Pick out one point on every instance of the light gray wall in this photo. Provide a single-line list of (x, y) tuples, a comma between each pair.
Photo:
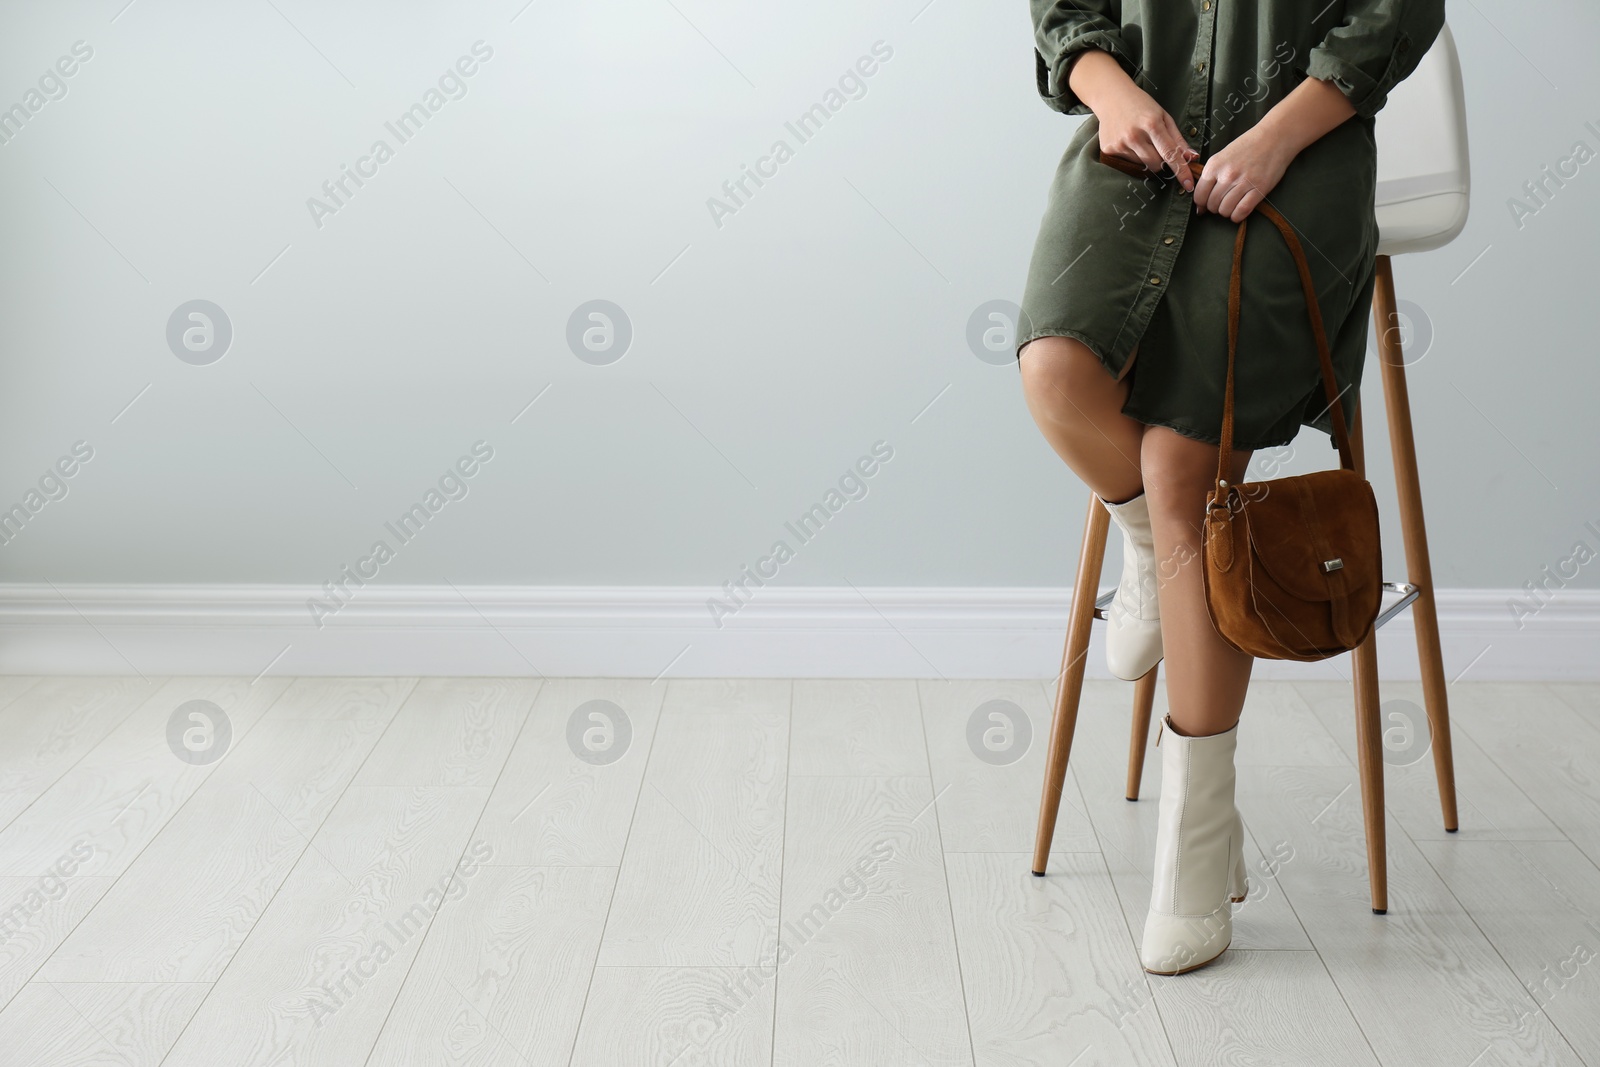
[(769, 352)]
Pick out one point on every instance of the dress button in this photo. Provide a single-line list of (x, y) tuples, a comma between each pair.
[(1206, 6), (1166, 240), (1154, 280), (1199, 68), (1193, 130)]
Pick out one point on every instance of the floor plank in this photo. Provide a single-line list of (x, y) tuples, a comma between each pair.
[(1549, 750), (867, 971), (36, 915), (853, 830), (1261, 1008), (1423, 982), (315, 979), (121, 793), (699, 881), (683, 1016), (451, 731), (1049, 970), (553, 806), (502, 976), (96, 1025), (1279, 727), (50, 725), (1538, 902), (1491, 805), (14, 685), (1582, 697), (236, 840), (990, 802), (853, 726)]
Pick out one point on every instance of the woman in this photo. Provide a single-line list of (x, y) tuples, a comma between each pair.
[(1123, 342)]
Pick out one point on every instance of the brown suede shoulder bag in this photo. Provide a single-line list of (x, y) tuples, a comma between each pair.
[(1293, 566)]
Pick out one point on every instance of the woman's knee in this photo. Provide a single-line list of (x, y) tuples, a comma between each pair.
[(1063, 378), (1179, 471)]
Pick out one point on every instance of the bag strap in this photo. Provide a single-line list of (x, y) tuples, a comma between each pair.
[(1330, 385)]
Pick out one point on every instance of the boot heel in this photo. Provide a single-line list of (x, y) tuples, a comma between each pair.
[(1238, 884)]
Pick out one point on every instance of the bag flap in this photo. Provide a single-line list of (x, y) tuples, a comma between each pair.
[(1298, 523)]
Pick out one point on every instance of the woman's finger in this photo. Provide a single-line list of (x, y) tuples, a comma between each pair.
[(1145, 149), (1247, 203), (1230, 198), (1174, 150), (1203, 190)]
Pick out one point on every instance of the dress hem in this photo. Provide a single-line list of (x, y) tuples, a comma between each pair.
[(1084, 339), (1186, 430), (1204, 436)]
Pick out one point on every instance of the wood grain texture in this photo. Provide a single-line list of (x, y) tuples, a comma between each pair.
[(367, 702), (683, 1016), (315, 979), (854, 726), (36, 915), (251, 893), (451, 731), (699, 882), (1550, 751), (120, 795), (1582, 697), (181, 910), (989, 806), (1423, 982), (1265, 1008), (1049, 969), (551, 807), (502, 976), (97, 1025), (1279, 728), (1492, 806), (14, 685), (1539, 903), (52, 724), (867, 971)]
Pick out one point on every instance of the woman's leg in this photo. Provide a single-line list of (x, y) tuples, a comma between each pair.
[(1206, 677), (1199, 856), (1078, 408)]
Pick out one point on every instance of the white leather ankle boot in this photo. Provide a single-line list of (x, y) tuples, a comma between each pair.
[(1133, 633), (1199, 868)]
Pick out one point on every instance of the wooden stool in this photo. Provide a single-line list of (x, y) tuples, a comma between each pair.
[(1421, 130)]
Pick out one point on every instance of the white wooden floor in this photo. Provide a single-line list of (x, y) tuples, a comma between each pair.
[(394, 871)]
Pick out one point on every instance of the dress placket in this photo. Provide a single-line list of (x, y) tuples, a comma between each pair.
[(1195, 131)]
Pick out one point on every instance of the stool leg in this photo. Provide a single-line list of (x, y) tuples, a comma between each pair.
[(1369, 743), (1369, 736), (1069, 680), (1144, 697), (1419, 570)]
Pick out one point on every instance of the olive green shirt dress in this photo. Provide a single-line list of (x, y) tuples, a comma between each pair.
[(1121, 263)]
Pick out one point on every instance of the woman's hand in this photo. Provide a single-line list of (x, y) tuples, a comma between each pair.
[(1240, 176), (1243, 174), (1132, 124)]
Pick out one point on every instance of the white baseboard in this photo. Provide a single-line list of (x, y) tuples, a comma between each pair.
[(659, 631)]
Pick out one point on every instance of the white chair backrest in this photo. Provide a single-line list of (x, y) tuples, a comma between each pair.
[(1423, 170)]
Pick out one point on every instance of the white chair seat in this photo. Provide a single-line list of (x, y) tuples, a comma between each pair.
[(1423, 169), (1420, 223)]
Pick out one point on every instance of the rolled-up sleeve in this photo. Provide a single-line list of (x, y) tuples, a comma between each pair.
[(1063, 29), (1376, 46)]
